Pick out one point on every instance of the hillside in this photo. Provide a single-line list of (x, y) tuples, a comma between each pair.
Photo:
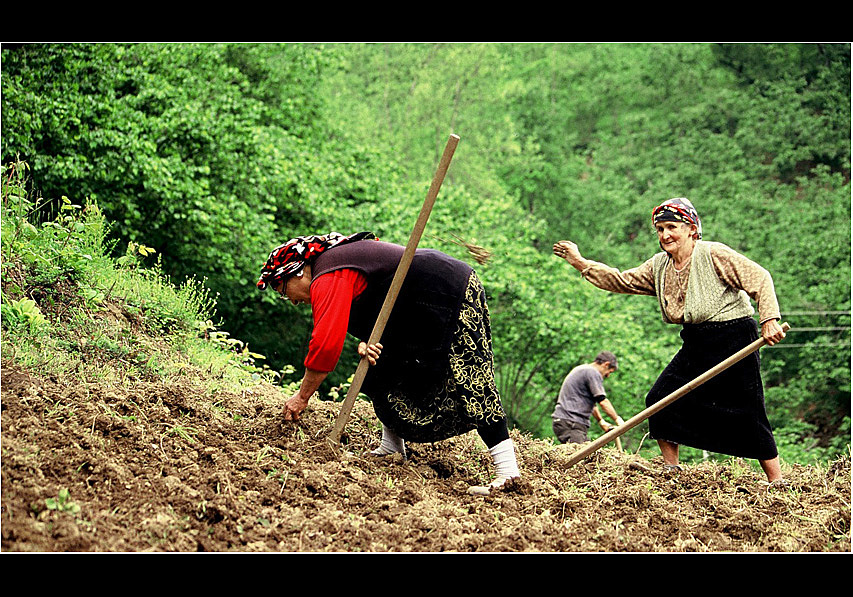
[(131, 424), (176, 462), (203, 157)]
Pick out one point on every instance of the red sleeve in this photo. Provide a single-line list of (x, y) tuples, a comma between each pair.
[(331, 299)]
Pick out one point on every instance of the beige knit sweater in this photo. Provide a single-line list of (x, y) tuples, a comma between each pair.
[(704, 300)]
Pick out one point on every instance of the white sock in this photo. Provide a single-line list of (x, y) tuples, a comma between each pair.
[(391, 443), (503, 455)]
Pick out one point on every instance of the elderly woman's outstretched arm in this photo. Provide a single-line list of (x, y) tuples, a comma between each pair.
[(639, 280)]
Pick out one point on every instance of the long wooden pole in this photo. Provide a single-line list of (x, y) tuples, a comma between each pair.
[(396, 283), (663, 403)]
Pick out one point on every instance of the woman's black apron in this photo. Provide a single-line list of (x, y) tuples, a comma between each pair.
[(726, 414)]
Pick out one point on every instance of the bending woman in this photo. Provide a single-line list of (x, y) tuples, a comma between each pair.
[(706, 287), (435, 378)]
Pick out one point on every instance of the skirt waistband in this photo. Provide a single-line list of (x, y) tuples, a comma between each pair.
[(716, 325)]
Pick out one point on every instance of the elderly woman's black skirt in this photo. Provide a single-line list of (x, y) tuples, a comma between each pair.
[(429, 408), (725, 414)]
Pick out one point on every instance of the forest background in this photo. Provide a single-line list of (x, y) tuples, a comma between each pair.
[(213, 154)]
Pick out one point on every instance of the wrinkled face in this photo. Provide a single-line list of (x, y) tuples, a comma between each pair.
[(297, 288), (674, 237)]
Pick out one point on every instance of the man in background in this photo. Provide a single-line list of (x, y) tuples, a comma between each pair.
[(580, 396)]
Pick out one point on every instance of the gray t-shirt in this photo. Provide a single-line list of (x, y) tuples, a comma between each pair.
[(581, 390)]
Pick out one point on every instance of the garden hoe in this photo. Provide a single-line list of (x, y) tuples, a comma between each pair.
[(396, 283), (663, 403)]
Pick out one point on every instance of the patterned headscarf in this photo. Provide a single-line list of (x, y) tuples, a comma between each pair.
[(678, 210), (289, 259)]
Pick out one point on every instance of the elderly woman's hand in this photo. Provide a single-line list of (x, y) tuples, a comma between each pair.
[(372, 352), (772, 332), (294, 407), (568, 250)]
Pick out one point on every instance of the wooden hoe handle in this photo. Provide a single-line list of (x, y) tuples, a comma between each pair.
[(663, 403), (397, 282)]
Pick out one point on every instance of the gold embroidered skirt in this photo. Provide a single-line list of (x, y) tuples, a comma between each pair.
[(465, 398)]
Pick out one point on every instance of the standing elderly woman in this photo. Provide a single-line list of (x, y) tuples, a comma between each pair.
[(705, 287), (435, 378)]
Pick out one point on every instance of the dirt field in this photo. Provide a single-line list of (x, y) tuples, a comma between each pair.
[(154, 466)]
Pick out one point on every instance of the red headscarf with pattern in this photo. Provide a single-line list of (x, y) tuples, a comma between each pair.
[(289, 259), (678, 210)]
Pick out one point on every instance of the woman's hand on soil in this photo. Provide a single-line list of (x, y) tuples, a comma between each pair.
[(294, 407)]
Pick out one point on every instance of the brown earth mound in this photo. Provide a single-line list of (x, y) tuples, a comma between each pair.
[(169, 466)]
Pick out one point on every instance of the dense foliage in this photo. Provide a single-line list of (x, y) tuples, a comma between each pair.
[(212, 154)]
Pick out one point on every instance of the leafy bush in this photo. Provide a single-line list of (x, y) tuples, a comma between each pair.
[(57, 276)]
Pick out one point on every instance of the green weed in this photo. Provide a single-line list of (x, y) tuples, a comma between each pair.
[(25, 313), (62, 503), (184, 432), (67, 305)]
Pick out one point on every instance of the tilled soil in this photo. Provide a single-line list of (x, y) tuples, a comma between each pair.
[(172, 466)]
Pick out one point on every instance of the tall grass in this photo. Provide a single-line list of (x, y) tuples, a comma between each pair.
[(67, 305)]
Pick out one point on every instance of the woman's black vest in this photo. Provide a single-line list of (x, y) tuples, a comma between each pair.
[(417, 337)]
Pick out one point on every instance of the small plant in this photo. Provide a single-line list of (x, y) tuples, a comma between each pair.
[(62, 502), (737, 469), (134, 254), (26, 313), (186, 433), (262, 454), (243, 358), (338, 392)]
